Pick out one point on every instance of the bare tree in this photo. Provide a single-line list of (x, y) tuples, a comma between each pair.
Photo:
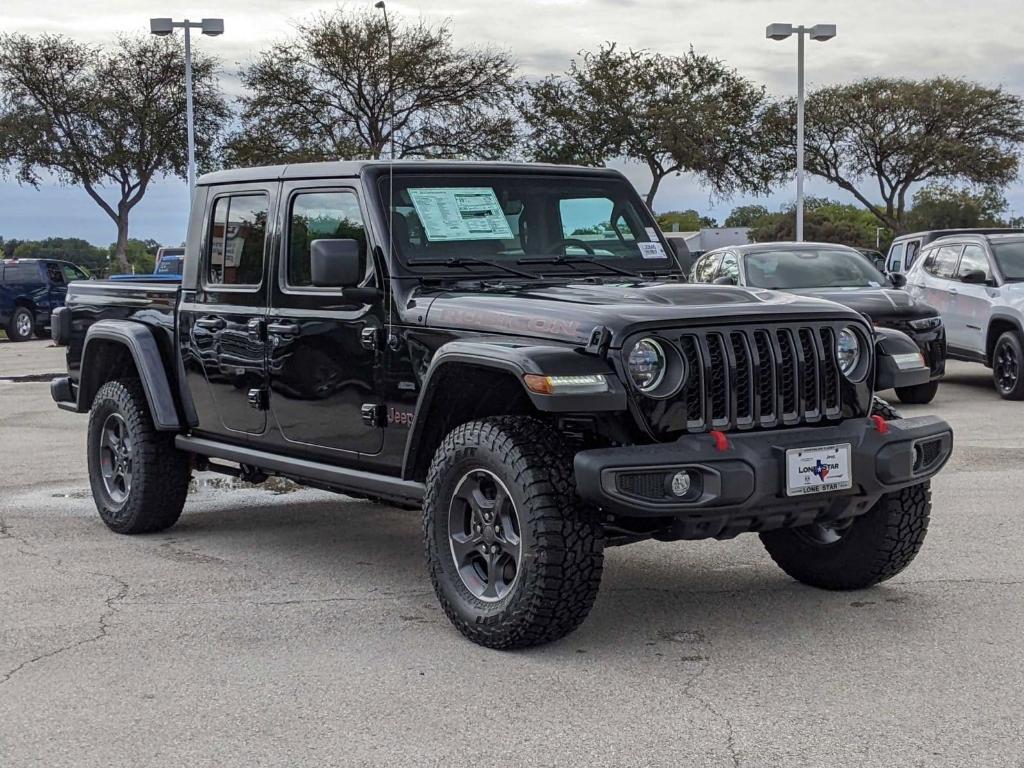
[(102, 118), (331, 92)]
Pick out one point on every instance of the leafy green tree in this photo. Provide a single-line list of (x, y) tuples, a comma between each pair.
[(879, 137), (102, 118), (673, 114), (141, 255), (331, 93), (745, 215), (8, 247), (943, 206), (825, 221), (684, 221), (73, 249)]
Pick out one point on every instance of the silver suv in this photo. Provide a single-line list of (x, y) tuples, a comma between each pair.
[(977, 284)]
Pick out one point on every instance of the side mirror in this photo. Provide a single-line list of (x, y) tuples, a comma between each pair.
[(974, 277), (335, 263), (898, 280), (724, 280)]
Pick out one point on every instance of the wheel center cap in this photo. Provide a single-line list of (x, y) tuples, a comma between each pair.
[(489, 536)]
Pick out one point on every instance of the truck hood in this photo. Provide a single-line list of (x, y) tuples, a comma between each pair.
[(569, 311)]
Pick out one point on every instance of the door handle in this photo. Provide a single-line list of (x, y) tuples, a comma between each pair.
[(211, 323), (283, 329)]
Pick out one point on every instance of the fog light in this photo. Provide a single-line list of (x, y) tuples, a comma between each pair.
[(681, 483)]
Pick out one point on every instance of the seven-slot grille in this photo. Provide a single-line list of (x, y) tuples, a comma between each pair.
[(759, 377)]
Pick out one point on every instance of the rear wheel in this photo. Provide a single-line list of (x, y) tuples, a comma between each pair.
[(921, 394), (856, 553), (1006, 366), (514, 558), (139, 479), (21, 325)]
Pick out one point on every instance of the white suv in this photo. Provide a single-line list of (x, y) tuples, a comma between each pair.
[(977, 284)]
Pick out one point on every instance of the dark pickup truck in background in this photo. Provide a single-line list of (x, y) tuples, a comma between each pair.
[(30, 289), (514, 350)]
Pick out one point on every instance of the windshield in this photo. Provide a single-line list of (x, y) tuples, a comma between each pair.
[(811, 268), (519, 219), (1010, 258)]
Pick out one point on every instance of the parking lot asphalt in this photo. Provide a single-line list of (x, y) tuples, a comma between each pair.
[(272, 627)]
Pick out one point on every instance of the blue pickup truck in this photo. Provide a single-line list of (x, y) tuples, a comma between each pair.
[(168, 268), (30, 289)]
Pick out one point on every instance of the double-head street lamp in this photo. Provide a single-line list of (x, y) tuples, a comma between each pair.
[(820, 32), (212, 27)]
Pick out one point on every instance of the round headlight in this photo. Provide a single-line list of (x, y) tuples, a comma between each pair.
[(848, 351), (646, 364)]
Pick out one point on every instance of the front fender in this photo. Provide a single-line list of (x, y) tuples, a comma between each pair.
[(515, 359), (898, 361), (139, 342)]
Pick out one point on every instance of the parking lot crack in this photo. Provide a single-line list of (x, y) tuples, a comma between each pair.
[(110, 603), (730, 732)]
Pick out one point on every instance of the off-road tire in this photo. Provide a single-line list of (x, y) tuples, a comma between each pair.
[(22, 324), (920, 394), (1013, 341), (875, 547), (562, 548), (160, 472), (880, 407)]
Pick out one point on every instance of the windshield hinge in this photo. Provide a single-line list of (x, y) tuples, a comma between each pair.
[(600, 338)]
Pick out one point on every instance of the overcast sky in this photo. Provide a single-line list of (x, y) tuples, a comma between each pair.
[(982, 40)]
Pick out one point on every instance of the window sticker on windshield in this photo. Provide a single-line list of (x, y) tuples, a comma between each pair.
[(651, 250), (460, 213)]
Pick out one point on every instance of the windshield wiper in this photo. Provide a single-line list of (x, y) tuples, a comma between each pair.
[(468, 261), (571, 260)]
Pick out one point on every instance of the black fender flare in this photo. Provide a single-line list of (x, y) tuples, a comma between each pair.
[(888, 373), (1001, 316), (517, 359), (142, 346)]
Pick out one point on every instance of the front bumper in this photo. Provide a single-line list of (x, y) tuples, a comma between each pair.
[(743, 487)]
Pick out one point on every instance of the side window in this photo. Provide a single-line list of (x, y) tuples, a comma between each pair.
[(72, 273), (237, 237), (53, 272), (730, 267), (896, 256), (912, 248), (943, 263), (321, 216), (704, 270), (974, 260)]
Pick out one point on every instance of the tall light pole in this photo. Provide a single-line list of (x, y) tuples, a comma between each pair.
[(820, 32), (211, 27)]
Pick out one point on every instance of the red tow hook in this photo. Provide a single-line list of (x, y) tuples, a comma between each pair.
[(880, 424), (721, 441)]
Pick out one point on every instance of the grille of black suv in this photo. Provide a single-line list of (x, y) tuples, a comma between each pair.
[(758, 377)]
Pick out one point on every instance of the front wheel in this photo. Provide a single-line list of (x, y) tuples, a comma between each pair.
[(22, 324), (921, 394), (857, 553), (513, 556), (139, 479), (1006, 362)]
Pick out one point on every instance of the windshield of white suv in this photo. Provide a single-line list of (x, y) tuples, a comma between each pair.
[(810, 268), (1010, 258), (526, 220)]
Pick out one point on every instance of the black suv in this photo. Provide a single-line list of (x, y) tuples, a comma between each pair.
[(512, 349)]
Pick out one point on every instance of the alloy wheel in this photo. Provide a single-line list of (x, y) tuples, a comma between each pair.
[(116, 458), (1007, 367), (23, 324), (484, 535)]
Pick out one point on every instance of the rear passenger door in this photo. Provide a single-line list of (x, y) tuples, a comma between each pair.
[(225, 324), (323, 348)]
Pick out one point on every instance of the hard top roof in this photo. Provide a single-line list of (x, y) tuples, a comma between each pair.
[(353, 168)]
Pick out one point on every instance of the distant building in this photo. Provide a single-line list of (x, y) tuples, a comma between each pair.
[(714, 237)]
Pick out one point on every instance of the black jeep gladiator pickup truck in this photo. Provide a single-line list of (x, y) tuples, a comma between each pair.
[(513, 349)]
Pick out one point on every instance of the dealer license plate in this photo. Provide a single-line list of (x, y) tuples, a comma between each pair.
[(818, 470)]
